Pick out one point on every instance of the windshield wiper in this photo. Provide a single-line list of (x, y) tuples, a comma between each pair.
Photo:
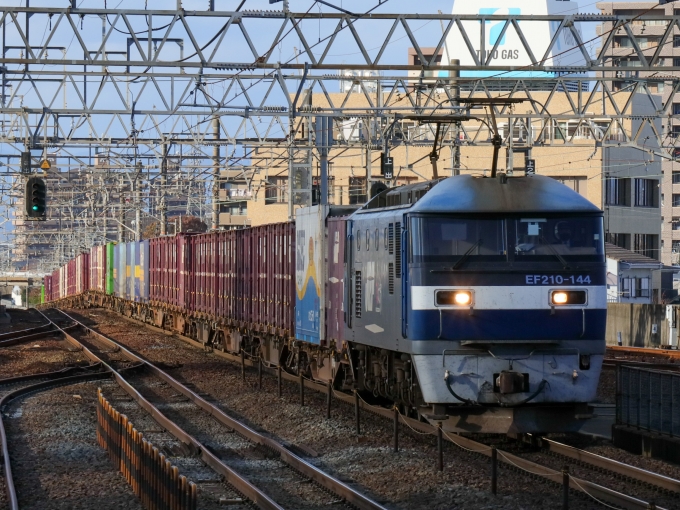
[(466, 255), (554, 252)]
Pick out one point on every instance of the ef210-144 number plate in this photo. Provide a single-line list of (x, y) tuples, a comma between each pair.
[(557, 279)]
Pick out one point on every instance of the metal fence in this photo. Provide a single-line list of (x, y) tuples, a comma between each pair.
[(155, 481), (648, 399)]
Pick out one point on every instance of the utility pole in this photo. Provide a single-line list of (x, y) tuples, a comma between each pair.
[(121, 213), (137, 195), (216, 174), (455, 92), (164, 182)]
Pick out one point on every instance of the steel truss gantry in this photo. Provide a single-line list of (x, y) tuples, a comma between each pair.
[(134, 82)]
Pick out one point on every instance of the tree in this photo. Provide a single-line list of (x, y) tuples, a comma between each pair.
[(189, 224)]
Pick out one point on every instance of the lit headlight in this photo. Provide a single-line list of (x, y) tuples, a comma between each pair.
[(568, 297), (454, 297), (560, 298)]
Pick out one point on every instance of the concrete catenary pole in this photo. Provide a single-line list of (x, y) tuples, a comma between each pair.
[(216, 174), (138, 202), (164, 181)]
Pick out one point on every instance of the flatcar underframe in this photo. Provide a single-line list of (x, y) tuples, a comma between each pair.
[(380, 375)]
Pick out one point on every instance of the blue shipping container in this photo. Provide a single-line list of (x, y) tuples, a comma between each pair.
[(138, 271), (120, 270)]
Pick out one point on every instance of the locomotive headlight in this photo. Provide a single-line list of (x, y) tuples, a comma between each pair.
[(454, 298), (462, 298), (568, 297), (560, 298)]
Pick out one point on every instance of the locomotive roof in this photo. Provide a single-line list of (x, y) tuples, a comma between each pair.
[(534, 193)]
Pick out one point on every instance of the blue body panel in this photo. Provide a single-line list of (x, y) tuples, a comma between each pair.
[(507, 325)]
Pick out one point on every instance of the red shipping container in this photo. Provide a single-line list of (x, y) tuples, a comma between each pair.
[(63, 281), (82, 275), (70, 278), (98, 268), (47, 282), (56, 294)]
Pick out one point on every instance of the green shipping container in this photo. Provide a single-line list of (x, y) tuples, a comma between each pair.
[(110, 267), (42, 294)]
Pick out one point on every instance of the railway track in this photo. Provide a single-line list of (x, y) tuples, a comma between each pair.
[(640, 486), (613, 363), (15, 388), (657, 489), (258, 467)]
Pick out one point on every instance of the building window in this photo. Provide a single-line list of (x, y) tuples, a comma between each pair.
[(675, 224), (617, 191), (642, 287), (357, 190), (625, 287), (676, 199), (676, 41), (676, 177), (646, 193), (620, 240), (276, 190), (647, 245), (578, 184), (675, 247)]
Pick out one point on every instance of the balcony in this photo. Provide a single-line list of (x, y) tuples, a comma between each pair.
[(234, 220)]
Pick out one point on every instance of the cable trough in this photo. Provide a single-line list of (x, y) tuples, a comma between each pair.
[(153, 389)]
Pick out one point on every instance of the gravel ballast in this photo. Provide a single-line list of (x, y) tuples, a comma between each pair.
[(56, 461), (408, 479)]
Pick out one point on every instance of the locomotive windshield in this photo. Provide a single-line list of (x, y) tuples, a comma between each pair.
[(450, 240)]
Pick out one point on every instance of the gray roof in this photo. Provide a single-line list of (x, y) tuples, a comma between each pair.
[(530, 194), (630, 257)]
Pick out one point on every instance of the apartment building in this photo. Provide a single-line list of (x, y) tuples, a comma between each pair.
[(622, 56)]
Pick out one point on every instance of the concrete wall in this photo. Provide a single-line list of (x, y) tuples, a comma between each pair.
[(634, 322)]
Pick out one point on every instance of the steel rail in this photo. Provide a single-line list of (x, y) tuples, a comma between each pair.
[(23, 332), (592, 489), (28, 338), (592, 459), (330, 483), (671, 353), (610, 363), (59, 378)]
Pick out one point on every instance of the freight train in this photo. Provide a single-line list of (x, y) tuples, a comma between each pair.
[(477, 303)]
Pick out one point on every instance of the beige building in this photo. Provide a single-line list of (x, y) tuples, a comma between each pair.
[(568, 154)]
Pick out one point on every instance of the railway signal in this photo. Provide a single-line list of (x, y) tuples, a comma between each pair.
[(36, 198), (26, 162), (386, 166)]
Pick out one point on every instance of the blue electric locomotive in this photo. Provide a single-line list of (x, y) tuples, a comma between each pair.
[(480, 302)]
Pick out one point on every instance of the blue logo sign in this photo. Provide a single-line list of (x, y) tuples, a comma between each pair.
[(497, 27)]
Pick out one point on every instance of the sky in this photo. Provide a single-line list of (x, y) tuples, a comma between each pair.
[(345, 51)]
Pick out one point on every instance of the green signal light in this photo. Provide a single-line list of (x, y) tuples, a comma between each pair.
[(35, 207)]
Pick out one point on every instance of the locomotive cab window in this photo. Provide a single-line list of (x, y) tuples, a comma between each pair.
[(448, 240), (562, 237), (459, 242)]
